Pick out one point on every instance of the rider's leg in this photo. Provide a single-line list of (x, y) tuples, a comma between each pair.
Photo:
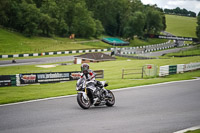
[(100, 85)]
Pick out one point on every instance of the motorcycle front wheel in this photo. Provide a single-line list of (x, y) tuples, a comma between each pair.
[(110, 102), (84, 103)]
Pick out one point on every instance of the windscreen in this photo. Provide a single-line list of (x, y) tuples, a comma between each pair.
[(80, 81)]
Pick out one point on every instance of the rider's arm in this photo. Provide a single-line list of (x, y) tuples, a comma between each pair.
[(92, 75)]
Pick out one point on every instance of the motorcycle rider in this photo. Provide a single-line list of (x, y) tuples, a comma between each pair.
[(89, 75)]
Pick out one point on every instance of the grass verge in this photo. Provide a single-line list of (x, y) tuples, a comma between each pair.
[(150, 41), (195, 131), (16, 43), (24, 45), (181, 25), (190, 52)]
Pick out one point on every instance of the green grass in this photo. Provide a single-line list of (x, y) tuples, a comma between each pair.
[(111, 66), (181, 25), (150, 41), (190, 52), (15, 43), (112, 71), (195, 131)]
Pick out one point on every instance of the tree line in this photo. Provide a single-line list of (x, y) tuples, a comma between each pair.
[(179, 11), (84, 18), (198, 27)]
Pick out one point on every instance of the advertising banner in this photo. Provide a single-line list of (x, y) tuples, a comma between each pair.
[(176, 38), (5, 80), (27, 78), (75, 75), (53, 77), (34, 78), (173, 37), (44, 77)]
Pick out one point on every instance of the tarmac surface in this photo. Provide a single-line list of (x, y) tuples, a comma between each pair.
[(161, 108), (163, 52), (44, 60)]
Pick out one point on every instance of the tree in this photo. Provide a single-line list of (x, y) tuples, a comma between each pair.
[(28, 17), (47, 25), (62, 28), (85, 18), (184, 12), (9, 11), (83, 25), (164, 22), (4, 9), (192, 14), (154, 22), (179, 11), (99, 28), (198, 28), (38, 3), (135, 25)]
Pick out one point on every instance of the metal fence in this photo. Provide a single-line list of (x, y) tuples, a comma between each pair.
[(147, 71), (135, 73)]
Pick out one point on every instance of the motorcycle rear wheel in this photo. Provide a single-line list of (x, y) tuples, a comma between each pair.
[(83, 103)]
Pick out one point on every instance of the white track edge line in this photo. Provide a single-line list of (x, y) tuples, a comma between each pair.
[(170, 82), (37, 100)]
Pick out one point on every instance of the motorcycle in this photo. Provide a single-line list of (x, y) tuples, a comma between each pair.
[(91, 94)]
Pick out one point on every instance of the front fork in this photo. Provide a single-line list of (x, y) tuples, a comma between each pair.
[(84, 93)]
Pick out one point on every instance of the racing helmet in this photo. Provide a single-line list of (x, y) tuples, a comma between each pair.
[(85, 68)]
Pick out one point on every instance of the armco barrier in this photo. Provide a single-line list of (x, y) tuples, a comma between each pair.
[(180, 68)]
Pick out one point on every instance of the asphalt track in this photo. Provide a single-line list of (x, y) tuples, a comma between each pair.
[(161, 108), (163, 52), (44, 60)]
